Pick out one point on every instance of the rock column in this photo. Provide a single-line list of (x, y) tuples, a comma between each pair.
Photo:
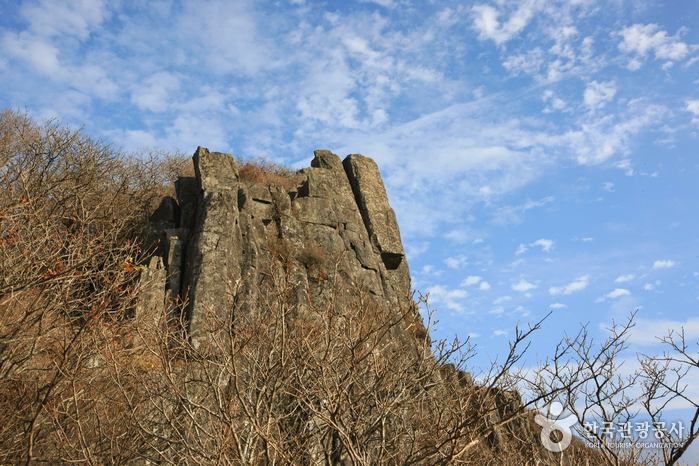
[(379, 218), (212, 259)]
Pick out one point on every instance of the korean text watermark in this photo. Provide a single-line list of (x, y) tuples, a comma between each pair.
[(618, 436)]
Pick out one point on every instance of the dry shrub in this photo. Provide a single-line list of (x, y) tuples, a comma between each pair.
[(261, 170), (71, 208), (312, 257)]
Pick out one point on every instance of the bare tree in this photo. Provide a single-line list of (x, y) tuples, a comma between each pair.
[(69, 214)]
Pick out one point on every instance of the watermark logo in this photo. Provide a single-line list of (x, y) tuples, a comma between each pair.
[(554, 424)]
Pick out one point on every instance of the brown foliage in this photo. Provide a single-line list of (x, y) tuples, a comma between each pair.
[(260, 170), (70, 209)]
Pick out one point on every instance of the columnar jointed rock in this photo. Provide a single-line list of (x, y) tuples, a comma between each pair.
[(335, 226), (379, 218), (213, 255)]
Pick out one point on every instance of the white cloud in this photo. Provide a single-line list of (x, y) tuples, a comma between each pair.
[(693, 107), (523, 286), (664, 264), (598, 94), (154, 94), (456, 262), (477, 240), (515, 214), (497, 311), (557, 306), (609, 187), (577, 285), (521, 250), (71, 18), (642, 39), (498, 333), (470, 280), (501, 299), (485, 21), (384, 3), (442, 294), (625, 278), (587, 239), (647, 331), (556, 103), (648, 286), (618, 292), (601, 138), (484, 286), (546, 244), (529, 63)]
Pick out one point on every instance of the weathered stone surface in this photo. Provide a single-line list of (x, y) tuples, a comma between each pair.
[(326, 159), (316, 210), (380, 221), (215, 170), (177, 241), (336, 226), (370, 193), (165, 217), (212, 258), (213, 255), (187, 190), (167, 212), (362, 249), (257, 200), (152, 287)]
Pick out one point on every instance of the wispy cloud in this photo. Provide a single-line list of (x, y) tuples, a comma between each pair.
[(515, 214), (578, 284), (618, 292), (664, 264), (501, 299), (523, 286), (625, 278), (546, 244), (456, 262), (470, 280), (598, 94), (442, 294), (641, 39)]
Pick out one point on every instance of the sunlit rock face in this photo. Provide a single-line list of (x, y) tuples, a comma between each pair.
[(333, 232)]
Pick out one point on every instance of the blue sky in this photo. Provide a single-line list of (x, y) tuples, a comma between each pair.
[(540, 155)]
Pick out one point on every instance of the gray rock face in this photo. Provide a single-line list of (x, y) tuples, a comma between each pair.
[(335, 226), (187, 190), (379, 218), (152, 284), (165, 216), (215, 171), (213, 254)]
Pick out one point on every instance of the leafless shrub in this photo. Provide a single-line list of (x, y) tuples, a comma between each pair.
[(261, 170), (70, 209)]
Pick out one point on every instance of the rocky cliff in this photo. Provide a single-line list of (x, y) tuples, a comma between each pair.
[(223, 237), (375, 395)]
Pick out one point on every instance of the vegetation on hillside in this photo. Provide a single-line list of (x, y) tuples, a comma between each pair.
[(84, 379), (261, 170)]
